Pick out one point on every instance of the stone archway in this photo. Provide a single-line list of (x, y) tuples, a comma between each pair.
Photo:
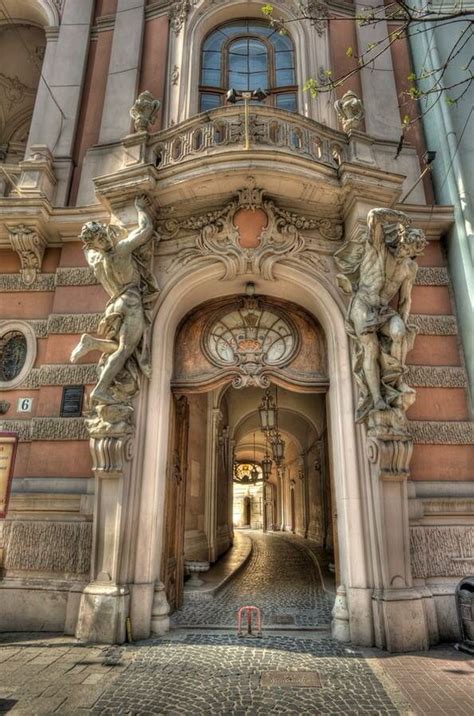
[(346, 454), (376, 601)]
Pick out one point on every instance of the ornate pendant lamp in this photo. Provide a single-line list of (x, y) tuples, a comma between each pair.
[(254, 472), (267, 412), (267, 462)]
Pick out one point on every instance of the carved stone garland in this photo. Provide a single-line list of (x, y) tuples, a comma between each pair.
[(280, 239)]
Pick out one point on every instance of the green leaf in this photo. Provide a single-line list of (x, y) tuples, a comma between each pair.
[(406, 120), (267, 9), (327, 73), (449, 101), (349, 52), (371, 45), (411, 77), (311, 86)]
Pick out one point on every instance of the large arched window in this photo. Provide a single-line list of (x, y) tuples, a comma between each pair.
[(247, 55)]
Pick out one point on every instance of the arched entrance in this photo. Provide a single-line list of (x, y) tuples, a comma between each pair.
[(249, 383), (349, 474)]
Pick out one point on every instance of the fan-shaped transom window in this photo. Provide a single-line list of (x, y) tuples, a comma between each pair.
[(248, 55), (252, 333)]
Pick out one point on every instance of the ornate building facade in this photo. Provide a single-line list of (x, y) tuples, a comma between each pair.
[(184, 235)]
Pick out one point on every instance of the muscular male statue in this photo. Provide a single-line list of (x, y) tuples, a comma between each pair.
[(121, 267), (374, 272)]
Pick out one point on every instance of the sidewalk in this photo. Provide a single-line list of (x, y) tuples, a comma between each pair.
[(197, 673)]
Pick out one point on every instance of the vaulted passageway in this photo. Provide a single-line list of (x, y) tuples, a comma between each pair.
[(280, 577)]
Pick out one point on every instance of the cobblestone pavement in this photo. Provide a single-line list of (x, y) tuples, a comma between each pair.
[(280, 578), (207, 674)]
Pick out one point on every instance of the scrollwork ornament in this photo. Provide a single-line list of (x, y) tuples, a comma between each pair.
[(30, 246), (279, 240)]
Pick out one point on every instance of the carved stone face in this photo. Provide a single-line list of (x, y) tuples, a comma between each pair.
[(94, 235), (412, 243)]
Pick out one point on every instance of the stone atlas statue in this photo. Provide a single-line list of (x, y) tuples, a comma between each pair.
[(122, 264), (374, 272)]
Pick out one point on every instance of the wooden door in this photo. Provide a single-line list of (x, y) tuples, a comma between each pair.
[(173, 543)]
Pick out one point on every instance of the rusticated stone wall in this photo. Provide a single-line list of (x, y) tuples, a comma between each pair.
[(442, 551), (41, 546)]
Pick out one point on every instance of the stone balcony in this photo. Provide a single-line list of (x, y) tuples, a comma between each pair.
[(209, 157), (223, 131)]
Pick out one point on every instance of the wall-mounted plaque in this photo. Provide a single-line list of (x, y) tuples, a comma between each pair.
[(8, 443), (71, 403)]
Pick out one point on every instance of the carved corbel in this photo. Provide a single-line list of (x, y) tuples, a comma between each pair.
[(110, 454), (29, 244)]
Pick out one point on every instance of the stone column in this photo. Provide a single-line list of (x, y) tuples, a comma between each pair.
[(302, 474), (230, 469), (57, 107), (124, 70), (210, 513), (382, 116), (104, 602), (400, 616), (281, 491)]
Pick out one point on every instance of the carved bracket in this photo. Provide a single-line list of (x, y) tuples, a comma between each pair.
[(30, 246), (109, 455)]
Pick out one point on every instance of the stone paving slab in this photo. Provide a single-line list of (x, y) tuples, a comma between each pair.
[(438, 682), (50, 674)]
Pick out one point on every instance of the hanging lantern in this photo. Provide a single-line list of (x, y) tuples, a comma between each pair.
[(278, 448), (267, 464), (267, 412)]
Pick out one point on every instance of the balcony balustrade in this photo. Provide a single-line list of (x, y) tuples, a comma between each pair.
[(267, 129)]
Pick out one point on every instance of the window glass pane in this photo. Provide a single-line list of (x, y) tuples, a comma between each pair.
[(258, 80), (285, 77), (258, 60), (211, 78), (283, 60), (264, 29), (238, 81), (214, 41), (209, 101), (239, 47), (234, 28), (281, 42), (13, 352), (212, 60), (286, 101), (238, 63)]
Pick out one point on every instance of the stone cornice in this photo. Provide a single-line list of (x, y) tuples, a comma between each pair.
[(65, 323), (61, 374), (430, 376), (65, 276), (73, 322), (442, 433), (47, 429), (14, 282), (430, 325), (75, 276), (432, 276)]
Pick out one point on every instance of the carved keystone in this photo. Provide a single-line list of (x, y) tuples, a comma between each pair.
[(29, 245)]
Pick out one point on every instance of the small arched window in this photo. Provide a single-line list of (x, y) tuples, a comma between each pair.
[(247, 55)]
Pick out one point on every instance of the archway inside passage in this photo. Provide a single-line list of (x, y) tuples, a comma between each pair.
[(230, 472)]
